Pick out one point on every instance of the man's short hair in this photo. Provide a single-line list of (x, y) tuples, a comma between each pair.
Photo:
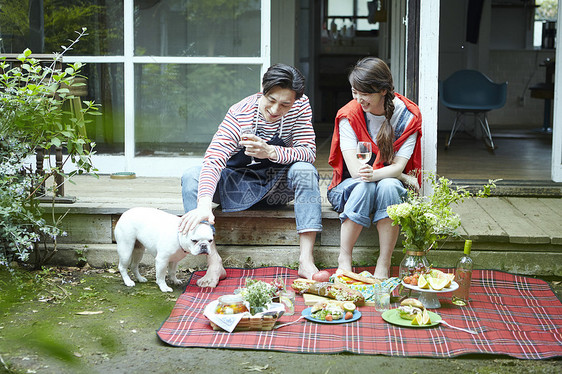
[(284, 76)]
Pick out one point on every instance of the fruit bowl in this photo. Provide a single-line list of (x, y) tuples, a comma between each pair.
[(428, 296)]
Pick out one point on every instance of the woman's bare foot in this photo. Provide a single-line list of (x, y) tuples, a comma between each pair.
[(344, 261), (381, 271), (307, 270)]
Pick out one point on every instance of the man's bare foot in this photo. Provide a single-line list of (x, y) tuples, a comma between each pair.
[(212, 277), (215, 270), (307, 270)]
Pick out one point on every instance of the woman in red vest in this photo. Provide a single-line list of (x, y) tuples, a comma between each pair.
[(361, 192)]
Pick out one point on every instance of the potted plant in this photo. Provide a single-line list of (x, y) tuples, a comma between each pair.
[(426, 219), (258, 294)]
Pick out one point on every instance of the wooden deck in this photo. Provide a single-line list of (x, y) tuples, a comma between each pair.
[(518, 234)]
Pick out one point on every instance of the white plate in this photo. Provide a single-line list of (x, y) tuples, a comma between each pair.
[(454, 285)]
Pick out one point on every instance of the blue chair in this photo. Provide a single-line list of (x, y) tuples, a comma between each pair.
[(471, 92)]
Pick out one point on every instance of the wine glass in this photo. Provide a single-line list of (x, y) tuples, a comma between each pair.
[(245, 131), (363, 152)]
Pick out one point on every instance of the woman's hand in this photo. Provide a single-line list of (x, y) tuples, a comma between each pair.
[(410, 182), (258, 148), (365, 173)]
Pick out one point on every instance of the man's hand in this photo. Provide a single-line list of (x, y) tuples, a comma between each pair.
[(194, 217), (258, 148)]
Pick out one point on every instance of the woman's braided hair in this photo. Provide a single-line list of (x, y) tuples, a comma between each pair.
[(372, 75)]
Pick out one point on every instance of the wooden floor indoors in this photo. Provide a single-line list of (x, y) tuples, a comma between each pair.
[(519, 155)]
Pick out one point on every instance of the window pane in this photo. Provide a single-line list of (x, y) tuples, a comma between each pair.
[(104, 85), (340, 7), (363, 23), (44, 26), (547, 10), (198, 28), (178, 107)]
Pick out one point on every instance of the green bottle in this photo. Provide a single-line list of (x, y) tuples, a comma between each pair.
[(463, 276)]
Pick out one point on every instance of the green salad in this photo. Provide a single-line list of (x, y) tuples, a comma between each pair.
[(328, 313)]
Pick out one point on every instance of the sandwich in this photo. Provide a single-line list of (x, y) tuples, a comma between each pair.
[(410, 308), (347, 277), (331, 290)]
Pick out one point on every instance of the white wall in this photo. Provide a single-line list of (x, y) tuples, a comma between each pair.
[(520, 68), (504, 52)]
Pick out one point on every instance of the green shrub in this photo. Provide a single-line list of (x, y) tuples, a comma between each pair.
[(33, 117)]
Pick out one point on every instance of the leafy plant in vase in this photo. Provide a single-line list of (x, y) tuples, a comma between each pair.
[(426, 219)]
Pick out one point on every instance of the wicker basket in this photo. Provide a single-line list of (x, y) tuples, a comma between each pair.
[(261, 323)]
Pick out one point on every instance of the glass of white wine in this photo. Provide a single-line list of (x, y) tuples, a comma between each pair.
[(244, 132), (363, 152)]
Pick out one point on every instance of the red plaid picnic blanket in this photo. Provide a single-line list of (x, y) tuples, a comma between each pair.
[(514, 315)]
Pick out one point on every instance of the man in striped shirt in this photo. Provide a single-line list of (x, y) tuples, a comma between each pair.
[(271, 166)]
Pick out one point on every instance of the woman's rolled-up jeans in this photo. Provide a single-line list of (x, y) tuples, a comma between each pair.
[(358, 201)]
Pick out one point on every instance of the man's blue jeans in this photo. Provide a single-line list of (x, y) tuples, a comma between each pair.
[(301, 186)]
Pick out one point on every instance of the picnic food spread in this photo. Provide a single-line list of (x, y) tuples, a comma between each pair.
[(336, 299)]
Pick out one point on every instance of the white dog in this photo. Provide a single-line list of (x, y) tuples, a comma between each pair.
[(157, 231)]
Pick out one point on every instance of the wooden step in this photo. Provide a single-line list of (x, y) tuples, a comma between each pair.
[(509, 233)]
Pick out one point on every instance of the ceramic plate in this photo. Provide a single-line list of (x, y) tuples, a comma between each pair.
[(393, 316), (454, 285), (307, 314)]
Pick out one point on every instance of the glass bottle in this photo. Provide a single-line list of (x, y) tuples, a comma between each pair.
[(463, 276), (414, 261)]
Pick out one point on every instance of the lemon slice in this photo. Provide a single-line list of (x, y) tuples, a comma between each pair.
[(450, 278), (426, 320), (435, 273), (418, 320), (348, 306), (422, 282), (422, 319), (438, 283)]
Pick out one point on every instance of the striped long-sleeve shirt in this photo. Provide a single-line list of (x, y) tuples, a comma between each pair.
[(297, 134)]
